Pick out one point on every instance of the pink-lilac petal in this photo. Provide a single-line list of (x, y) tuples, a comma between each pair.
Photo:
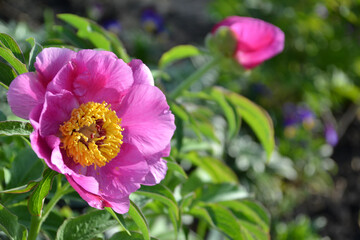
[(122, 175), (50, 60), (141, 73), (147, 121), (25, 93), (93, 200), (119, 205), (94, 76), (157, 172), (42, 149), (57, 110)]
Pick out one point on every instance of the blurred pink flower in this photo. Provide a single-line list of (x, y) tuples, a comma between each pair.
[(257, 40), (97, 120)]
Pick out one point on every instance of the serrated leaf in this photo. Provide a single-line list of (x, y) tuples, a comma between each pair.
[(118, 218), (9, 224), (178, 53), (18, 128), (21, 189), (140, 220), (217, 170), (36, 48), (8, 42), (8, 56), (37, 197), (85, 226), (257, 118), (7, 74)]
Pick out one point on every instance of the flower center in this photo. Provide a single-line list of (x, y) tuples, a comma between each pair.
[(92, 135)]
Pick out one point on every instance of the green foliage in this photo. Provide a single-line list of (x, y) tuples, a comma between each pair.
[(177, 53), (86, 226), (10, 226), (15, 128)]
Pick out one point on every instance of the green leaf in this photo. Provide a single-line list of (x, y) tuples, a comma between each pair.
[(222, 219), (249, 211), (222, 192), (176, 168), (140, 220), (125, 236), (259, 121), (177, 53), (95, 38), (36, 200), (218, 170), (85, 226), (26, 167), (19, 128), (21, 189), (36, 48), (9, 224), (7, 74), (75, 21), (163, 195), (8, 56), (7, 41), (218, 96), (118, 218)]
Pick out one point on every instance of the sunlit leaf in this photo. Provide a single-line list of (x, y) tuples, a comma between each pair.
[(19, 128), (95, 38), (8, 56), (7, 41), (222, 192), (259, 121), (218, 96), (178, 53), (218, 170), (118, 218), (21, 189), (140, 220), (37, 197), (86, 226)]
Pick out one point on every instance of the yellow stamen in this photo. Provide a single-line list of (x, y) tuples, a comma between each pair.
[(92, 136)]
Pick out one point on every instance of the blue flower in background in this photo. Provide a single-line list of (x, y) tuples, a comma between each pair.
[(331, 135), (112, 25), (295, 115), (151, 21)]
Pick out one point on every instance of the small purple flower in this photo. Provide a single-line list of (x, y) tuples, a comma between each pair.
[(112, 25), (151, 21), (294, 115), (331, 135)]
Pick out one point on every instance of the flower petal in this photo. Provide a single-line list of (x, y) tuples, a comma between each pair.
[(94, 76), (147, 121), (257, 41), (157, 167), (50, 61), (57, 109), (25, 92), (141, 73), (122, 175)]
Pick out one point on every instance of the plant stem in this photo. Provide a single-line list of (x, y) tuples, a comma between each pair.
[(37, 221), (193, 78)]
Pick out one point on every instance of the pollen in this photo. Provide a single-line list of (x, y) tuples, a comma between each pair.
[(92, 135)]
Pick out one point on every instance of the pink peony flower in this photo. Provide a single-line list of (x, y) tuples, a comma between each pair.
[(97, 120), (256, 40)]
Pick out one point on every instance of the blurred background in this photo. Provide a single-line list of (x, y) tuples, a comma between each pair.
[(311, 91)]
